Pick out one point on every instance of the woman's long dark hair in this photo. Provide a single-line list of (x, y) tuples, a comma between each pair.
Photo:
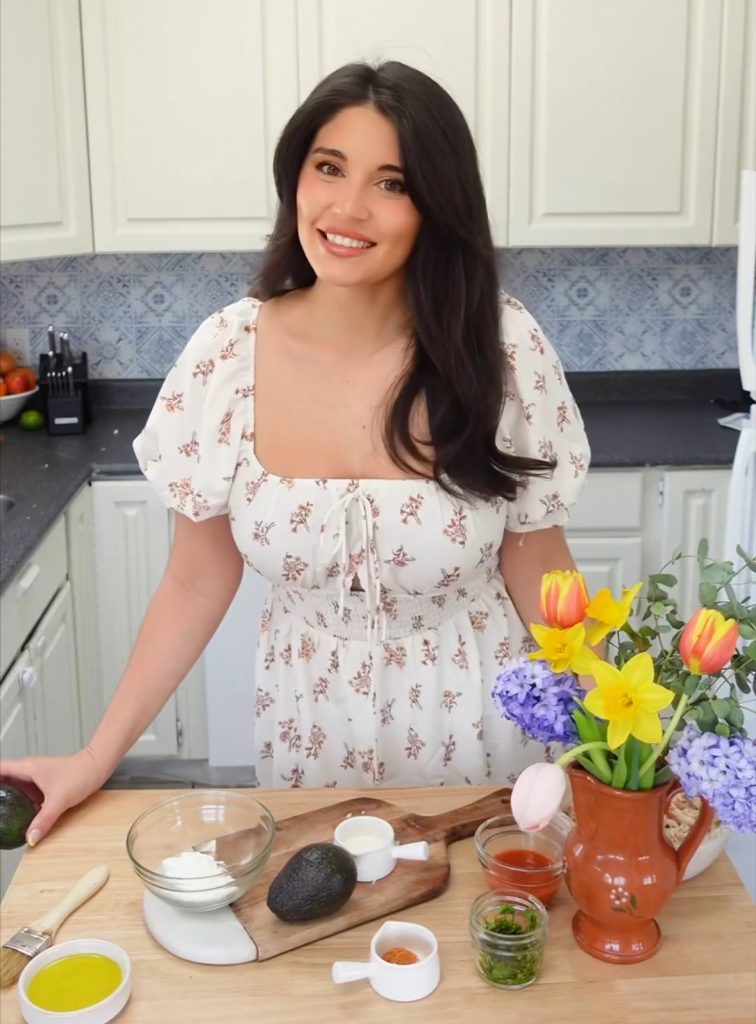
[(452, 284)]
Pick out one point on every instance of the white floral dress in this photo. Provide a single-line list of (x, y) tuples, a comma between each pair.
[(387, 684)]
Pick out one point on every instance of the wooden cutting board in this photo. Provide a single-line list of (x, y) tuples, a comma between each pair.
[(409, 883)]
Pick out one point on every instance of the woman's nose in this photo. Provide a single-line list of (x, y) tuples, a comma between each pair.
[(351, 202)]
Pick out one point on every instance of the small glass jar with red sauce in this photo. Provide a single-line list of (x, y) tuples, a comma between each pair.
[(524, 862)]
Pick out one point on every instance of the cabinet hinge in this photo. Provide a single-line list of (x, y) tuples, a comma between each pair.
[(660, 492), (179, 733)]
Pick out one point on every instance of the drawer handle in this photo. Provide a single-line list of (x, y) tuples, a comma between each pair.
[(27, 579), (39, 645), (28, 678)]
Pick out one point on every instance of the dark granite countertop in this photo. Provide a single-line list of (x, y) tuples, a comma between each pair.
[(640, 419)]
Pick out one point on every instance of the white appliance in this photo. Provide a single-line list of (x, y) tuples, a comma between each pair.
[(741, 505)]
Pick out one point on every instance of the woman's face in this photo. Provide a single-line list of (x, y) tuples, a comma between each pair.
[(355, 222)]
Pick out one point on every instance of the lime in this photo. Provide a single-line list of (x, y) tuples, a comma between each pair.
[(31, 419)]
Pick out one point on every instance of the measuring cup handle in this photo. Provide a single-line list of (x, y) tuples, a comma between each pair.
[(411, 851), (350, 970)]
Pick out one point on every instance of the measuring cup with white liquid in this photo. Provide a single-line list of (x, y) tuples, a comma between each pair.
[(371, 842)]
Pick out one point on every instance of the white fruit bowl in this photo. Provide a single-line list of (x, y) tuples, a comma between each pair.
[(11, 405)]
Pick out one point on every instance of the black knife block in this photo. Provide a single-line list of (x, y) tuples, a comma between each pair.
[(66, 414)]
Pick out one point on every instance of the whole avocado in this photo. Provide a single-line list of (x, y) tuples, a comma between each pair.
[(16, 814), (315, 882)]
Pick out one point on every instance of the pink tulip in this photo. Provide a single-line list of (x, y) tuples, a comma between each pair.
[(536, 795), (708, 641), (563, 598)]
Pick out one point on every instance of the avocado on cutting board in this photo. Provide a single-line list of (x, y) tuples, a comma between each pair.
[(410, 882)]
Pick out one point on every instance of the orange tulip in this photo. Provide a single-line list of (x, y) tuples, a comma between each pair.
[(563, 598), (708, 641)]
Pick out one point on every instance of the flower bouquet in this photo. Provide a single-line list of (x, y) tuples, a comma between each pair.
[(662, 710)]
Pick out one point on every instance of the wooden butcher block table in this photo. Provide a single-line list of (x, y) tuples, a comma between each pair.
[(704, 972)]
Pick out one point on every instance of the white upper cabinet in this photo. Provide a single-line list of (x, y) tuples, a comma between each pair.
[(465, 47), (44, 199), (185, 102), (613, 121), (736, 139)]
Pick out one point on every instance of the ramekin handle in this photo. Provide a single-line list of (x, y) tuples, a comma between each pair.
[(411, 851), (350, 970)]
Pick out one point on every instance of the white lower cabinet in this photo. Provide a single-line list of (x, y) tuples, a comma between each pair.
[(53, 659), (628, 523), (16, 738), (131, 547), (605, 533), (693, 505)]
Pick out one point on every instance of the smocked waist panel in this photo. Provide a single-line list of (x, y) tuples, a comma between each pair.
[(399, 615)]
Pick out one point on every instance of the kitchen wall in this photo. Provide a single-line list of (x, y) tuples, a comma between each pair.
[(604, 309)]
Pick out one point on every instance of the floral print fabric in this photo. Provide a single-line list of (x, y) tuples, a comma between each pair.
[(388, 618)]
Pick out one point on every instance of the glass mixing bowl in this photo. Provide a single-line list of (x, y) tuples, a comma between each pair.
[(188, 825)]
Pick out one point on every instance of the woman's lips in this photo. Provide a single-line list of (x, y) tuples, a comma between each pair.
[(345, 251)]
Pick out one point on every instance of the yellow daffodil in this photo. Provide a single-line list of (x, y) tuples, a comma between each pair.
[(607, 613), (629, 700), (564, 649)]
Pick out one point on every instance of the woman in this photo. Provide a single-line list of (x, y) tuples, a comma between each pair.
[(383, 436)]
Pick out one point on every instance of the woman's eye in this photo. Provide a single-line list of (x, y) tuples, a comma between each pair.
[(394, 185), (331, 170)]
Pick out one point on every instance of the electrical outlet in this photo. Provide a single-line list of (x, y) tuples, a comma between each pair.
[(16, 340)]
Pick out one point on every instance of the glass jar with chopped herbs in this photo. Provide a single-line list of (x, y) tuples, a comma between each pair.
[(508, 934)]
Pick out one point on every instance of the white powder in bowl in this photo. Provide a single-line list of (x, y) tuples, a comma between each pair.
[(200, 881)]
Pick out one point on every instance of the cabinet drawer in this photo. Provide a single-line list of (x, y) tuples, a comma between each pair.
[(27, 596), (609, 501)]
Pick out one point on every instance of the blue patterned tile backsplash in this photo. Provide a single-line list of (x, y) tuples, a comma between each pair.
[(604, 309)]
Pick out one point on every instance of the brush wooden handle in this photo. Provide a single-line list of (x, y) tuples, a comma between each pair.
[(86, 887)]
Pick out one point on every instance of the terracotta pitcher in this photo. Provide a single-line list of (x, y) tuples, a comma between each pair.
[(619, 867)]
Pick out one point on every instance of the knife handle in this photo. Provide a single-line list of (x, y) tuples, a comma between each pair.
[(85, 888)]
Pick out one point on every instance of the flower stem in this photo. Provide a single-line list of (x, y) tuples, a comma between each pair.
[(570, 755), (651, 759)]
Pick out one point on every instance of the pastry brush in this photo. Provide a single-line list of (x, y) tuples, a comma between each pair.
[(16, 953)]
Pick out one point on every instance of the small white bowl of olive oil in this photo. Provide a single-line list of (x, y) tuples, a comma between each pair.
[(84, 980)]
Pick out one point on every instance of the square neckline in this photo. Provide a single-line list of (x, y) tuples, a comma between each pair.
[(342, 480)]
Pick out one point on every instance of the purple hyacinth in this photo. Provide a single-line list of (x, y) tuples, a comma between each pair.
[(539, 700), (722, 769)]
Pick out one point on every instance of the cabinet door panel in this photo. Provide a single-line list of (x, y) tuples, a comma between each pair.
[(16, 739), (736, 134), (465, 47), (695, 503), (131, 545), (185, 103), (56, 694), (44, 200), (613, 562), (613, 121)]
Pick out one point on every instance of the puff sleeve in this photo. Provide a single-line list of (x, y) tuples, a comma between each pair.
[(189, 446), (540, 419)]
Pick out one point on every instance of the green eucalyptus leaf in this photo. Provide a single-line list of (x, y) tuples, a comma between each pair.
[(722, 729), (720, 707), (703, 550), (735, 717), (658, 608), (665, 579), (707, 594), (749, 560)]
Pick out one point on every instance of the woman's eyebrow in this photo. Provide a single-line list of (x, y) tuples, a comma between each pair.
[(326, 151)]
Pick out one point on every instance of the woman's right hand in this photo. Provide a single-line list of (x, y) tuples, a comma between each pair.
[(53, 784)]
